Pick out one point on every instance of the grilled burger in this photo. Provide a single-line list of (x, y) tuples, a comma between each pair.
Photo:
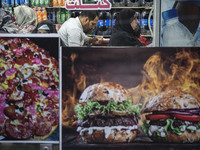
[(174, 117), (106, 114)]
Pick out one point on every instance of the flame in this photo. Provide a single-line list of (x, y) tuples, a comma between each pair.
[(70, 97), (181, 72)]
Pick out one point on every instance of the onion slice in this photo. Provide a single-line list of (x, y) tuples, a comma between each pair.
[(181, 111)]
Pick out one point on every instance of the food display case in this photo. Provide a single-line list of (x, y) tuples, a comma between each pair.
[(145, 72), (30, 104)]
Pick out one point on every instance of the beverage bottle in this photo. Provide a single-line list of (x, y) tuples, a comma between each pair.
[(21, 2), (41, 3), (197, 37), (139, 18), (100, 24), (55, 3), (64, 1), (12, 3), (174, 33), (132, 3), (144, 22), (104, 23), (49, 14), (32, 3), (60, 2), (149, 3), (67, 15), (4, 3), (114, 17), (46, 3), (39, 11), (62, 16), (53, 15), (17, 2), (37, 3), (58, 14), (118, 3), (143, 2), (44, 13)]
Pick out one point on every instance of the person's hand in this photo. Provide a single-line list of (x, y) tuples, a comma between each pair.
[(97, 40)]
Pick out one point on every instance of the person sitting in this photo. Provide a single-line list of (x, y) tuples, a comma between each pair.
[(125, 30), (73, 31), (25, 18), (7, 22), (45, 26)]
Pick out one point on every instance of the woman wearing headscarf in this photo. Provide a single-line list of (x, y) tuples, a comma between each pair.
[(7, 22), (25, 18), (124, 31), (45, 26)]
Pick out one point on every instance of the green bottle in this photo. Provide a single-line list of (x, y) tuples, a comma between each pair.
[(58, 16), (63, 15)]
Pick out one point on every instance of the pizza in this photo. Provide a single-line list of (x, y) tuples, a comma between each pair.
[(29, 90)]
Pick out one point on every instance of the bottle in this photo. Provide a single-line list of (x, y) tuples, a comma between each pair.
[(21, 2), (114, 17), (143, 2), (60, 2), (37, 3), (58, 14), (132, 3), (67, 15), (4, 3), (144, 22), (175, 33), (62, 16), (54, 15), (41, 3), (44, 14), (139, 18), (55, 3), (49, 14), (46, 3), (12, 3), (32, 3), (39, 12), (148, 3), (118, 3)]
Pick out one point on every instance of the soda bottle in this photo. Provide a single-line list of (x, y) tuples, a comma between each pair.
[(174, 33), (139, 16), (53, 15), (26, 2), (44, 14), (37, 3), (114, 17), (144, 22), (49, 15), (4, 3), (58, 16), (67, 15), (39, 11), (149, 3), (104, 23), (55, 3), (143, 2), (32, 3), (60, 2), (118, 3), (132, 3), (46, 3), (41, 3), (63, 15), (12, 3)]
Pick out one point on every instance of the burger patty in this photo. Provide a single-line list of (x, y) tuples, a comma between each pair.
[(176, 123), (100, 121)]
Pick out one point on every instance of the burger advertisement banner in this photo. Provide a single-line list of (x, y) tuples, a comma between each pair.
[(115, 98), (29, 89)]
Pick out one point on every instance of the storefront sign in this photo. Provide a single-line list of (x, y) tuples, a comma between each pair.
[(88, 5)]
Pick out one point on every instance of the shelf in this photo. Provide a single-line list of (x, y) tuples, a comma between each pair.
[(141, 7)]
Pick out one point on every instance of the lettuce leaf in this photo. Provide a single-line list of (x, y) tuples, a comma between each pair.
[(90, 107), (168, 127)]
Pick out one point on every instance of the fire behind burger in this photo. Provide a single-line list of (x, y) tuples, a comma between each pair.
[(174, 118), (106, 114)]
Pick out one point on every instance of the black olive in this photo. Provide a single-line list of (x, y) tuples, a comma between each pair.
[(36, 55), (14, 58), (19, 45), (19, 87), (24, 80), (45, 94), (17, 107), (21, 109), (6, 47), (53, 87)]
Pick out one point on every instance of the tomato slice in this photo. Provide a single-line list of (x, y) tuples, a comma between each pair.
[(187, 117), (157, 116)]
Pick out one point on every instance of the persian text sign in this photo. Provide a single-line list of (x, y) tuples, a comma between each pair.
[(78, 4)]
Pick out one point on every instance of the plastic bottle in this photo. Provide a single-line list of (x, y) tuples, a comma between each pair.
[(37, 3), (60, 2), (41, 3), (143, 2), (55, 3), (62, 16), (39, 11), (104, 23), (114, 17), (4, 3), (54, 15), (58, 16), (12, 3), (149, 3), (32, 3), (44, 13), (139, 18), (175, 33), (67, 15), (144, 22), (49, 15), (118, 3), (132, 3), (46, 3), (26, 2)]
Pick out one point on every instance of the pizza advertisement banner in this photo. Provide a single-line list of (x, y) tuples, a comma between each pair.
[(29, 89), (148, 74)]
